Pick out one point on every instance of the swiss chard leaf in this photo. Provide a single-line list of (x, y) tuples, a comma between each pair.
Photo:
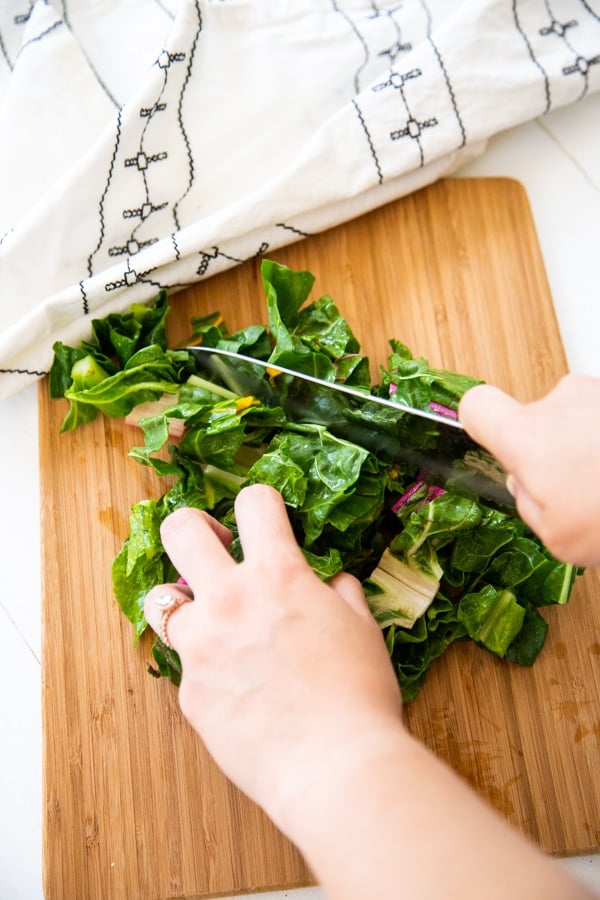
[(526, 646), (472, 551), (326, 565), (492, 617), (282, 473), (148, 374), (207, 330), (168, 663), (122, 335), (141, 563), (321, 327), (410, 381), (518, 562), (353, 370), (414, 652), (334, 470), (286, 290), (63, 361), (429, 527), (251, 341)]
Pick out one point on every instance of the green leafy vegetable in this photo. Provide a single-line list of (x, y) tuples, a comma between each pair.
[(399, 593), (437, 567), (492, 616)]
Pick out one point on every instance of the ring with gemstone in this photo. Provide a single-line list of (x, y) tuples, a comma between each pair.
[(168, 603)]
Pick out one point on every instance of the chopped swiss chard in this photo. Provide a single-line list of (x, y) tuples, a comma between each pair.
[(437, 567)]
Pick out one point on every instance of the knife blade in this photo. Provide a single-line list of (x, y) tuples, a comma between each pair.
[(430, 446)]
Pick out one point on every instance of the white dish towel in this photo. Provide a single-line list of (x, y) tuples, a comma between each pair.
[(150, 143)]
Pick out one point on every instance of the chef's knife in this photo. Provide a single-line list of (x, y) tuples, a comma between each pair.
[(430, 446)]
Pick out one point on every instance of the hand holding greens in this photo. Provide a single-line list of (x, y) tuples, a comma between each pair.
[(437, 566)]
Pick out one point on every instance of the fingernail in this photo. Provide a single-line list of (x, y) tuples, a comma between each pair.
[(511, 484)]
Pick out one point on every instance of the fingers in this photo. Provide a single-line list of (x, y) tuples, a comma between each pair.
[(197, 545), (264, 527), (165, 609), (528, 507), (351, 592), (485, 411)]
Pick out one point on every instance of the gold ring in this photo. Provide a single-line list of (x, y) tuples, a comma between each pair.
[(168, 603)]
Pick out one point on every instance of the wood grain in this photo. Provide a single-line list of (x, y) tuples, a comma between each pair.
[(133, 805)]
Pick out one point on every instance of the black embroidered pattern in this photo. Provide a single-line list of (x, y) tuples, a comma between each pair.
[(19, 19), (361, 119), (413, 127), (131, 247), (398, 46), (292, 229), (565, 31), (142, 212), (130, 276), (427, 13), (534, 60), (581, 64), (151, 110), (23, 18), (368, 38), (38, 373), (105, 194), (209, 256), (589, 9), (143, 278), (141, 162), (84, 299), (450, 90), (360, 39), (145, 157), (180, 119), (4, 53), (40, 36), (558, 28), (5, 235)]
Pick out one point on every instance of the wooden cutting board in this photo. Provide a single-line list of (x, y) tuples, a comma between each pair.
[(133, 806)]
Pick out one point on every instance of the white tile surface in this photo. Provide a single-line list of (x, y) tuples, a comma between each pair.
[(575, 130), (20, 768), (20, 690), (20, 530), (558, 161)]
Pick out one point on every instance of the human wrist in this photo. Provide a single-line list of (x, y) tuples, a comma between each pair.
[(388, 808), (323, 780)]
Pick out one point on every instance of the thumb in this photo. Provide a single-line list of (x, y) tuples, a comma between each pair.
[(528, 507), (350, 590), (488, 415)]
